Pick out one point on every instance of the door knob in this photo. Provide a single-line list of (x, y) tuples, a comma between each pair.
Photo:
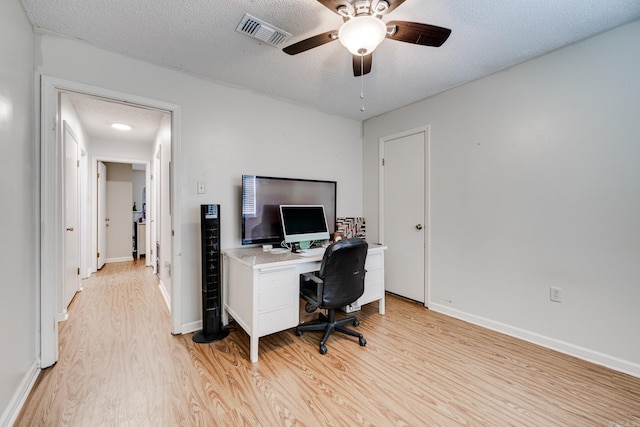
[(69, 228), (419, 226)]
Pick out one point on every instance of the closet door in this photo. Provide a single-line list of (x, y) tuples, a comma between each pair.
[(102, 215), (72, 216), (403, 211)]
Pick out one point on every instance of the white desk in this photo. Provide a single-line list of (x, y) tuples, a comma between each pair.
[(261, 290)]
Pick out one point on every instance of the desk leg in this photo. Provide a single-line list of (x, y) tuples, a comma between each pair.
[(253, 349), (381, 304)]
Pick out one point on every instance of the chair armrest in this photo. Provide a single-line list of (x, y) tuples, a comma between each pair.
[(312, 277)]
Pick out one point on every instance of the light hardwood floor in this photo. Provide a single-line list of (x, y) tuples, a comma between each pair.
[(119, 366)]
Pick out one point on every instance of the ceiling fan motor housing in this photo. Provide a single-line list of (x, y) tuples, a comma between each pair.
[(365, 7)]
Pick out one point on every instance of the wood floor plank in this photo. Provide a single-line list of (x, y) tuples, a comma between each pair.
[(119, 366)]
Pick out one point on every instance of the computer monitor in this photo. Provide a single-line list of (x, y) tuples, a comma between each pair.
[(304, 224)]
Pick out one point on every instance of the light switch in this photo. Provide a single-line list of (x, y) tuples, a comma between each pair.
[(201, 188)]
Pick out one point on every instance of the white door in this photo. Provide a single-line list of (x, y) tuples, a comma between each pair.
[(403, 210), (102, 215), (71, 215), (156, 196)]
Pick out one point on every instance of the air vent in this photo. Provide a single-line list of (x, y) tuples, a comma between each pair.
[(257, 29)]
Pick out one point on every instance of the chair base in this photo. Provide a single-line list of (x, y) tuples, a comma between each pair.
[(328, 325)]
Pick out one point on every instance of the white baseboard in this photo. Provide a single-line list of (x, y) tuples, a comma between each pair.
[(16, 403), (61, 317), (598, 358), (121, 259), (165, 295), (187, 328)]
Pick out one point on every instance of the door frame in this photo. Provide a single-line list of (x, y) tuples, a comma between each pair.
[(426, 129), (52, 209), (94, 199)]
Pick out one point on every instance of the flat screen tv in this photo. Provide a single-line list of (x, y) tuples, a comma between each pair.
[(263, 195)]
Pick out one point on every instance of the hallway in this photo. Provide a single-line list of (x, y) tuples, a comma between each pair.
[(118, 363)]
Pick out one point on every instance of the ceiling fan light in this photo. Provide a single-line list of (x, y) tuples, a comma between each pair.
[(361, 35)]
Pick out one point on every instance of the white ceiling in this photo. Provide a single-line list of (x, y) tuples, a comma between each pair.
[(199, 37), (97, 115)]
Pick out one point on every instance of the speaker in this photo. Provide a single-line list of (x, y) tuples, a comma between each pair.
[(212, 329)]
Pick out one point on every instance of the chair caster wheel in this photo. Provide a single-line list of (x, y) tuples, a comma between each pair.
[(356, 323), (362, 342), (310, 308), (298, 332), (323, 349)]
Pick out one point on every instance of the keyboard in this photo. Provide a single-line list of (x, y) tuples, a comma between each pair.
[(312, 252)]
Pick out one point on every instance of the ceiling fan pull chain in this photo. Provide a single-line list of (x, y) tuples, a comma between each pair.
[(362, 82)]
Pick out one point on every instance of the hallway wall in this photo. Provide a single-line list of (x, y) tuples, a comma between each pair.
[(19, 224)]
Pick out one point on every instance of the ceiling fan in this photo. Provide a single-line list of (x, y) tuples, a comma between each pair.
[(363, 30)]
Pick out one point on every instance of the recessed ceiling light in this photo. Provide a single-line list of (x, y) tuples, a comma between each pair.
[(121, 126)]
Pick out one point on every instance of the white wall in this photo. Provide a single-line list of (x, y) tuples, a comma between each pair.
[(535, 182), (224, 133), (122, 150), (19, 212), (70, 115)]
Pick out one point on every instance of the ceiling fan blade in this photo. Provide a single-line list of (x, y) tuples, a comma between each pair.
[(362, 64), (334, 5), (415, 32), (393, 4), (311, 42)]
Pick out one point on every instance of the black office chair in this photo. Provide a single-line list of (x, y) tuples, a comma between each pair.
[(339, 283)]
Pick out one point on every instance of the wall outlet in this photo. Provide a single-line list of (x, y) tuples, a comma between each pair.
[(555, 294)]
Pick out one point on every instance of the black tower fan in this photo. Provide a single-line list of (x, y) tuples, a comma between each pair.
[(212, 329)]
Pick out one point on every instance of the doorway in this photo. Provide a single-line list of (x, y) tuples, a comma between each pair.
[(53, 210), (119, 228), (404, 212)]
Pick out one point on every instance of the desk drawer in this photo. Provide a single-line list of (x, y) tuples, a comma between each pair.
[(373, 286), (273, 279), (277, 297), (277, 300), (277, 320), (373, 262)]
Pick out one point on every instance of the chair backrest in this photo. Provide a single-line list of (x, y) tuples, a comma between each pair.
[(342, 272)]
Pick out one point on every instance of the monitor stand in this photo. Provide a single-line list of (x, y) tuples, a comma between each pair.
[(305, 245), (300, 246)]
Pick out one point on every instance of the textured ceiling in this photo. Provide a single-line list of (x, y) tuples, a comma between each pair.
[(198, 36)]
